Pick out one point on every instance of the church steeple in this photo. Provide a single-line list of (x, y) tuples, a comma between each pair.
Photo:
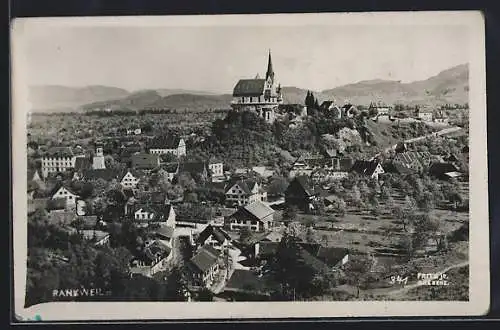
[(270, 72)]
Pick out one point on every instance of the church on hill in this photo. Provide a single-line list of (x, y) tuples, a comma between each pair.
[(260, 95)]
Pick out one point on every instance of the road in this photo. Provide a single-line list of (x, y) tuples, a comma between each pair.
[(423, 137)]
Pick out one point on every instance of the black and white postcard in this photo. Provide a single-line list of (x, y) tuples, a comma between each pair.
[(250, 166)]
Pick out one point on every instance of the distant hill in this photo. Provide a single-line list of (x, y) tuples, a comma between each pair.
[(449, 86), (134, 101), (192, 102), (62, 98), (166, 92)]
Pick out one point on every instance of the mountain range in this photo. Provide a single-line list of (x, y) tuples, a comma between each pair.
[(449, 86)]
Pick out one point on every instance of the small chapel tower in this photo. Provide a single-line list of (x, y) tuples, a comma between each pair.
[(98, 160)]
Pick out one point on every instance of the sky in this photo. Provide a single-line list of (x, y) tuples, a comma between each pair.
[(214, 58)]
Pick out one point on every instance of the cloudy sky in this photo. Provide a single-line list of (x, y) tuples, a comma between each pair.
[(212, 58)]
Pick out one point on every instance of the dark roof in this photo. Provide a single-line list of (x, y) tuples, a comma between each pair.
[(82, 163), (246, 185), (326, 104), (154, 250), (169, 141), (193, 167), (144, 161), (159, 211), (331, 255), (306, 184), (59, 152), (395, 167), (105, 174), (249, 87), (136, 173), (442, 168), (165, 231), (170, 167), (348, 106), (128, 193), (205, 258), (245, 280), (364, 167), (158, 197), (59, 186), (219, 234)]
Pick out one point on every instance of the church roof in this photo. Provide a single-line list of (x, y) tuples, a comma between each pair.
[(249, 87)]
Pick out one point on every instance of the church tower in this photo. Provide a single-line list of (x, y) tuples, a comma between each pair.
[(270, 72), (98, 160)]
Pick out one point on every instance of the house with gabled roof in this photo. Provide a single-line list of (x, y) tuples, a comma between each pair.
[(151, 260), (130, 178), (300, 193), (65, 193), (349, 110), (145, 215), (204, 265), (240, 192), (444, 171), (213, 236), (413, 159), (255, 216), (370, 168), (397, 168), (167, 144)]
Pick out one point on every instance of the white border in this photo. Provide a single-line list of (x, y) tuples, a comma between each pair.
[(479, 230)]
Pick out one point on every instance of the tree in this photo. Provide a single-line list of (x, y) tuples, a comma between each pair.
[(356, 197), (278, 186), (311, 236), (176, 286), (290, 213), (245, 233), (372, 111), (205, 295), (357, 272)]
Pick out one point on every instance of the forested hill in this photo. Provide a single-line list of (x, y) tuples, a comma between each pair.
[(244, 139)]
